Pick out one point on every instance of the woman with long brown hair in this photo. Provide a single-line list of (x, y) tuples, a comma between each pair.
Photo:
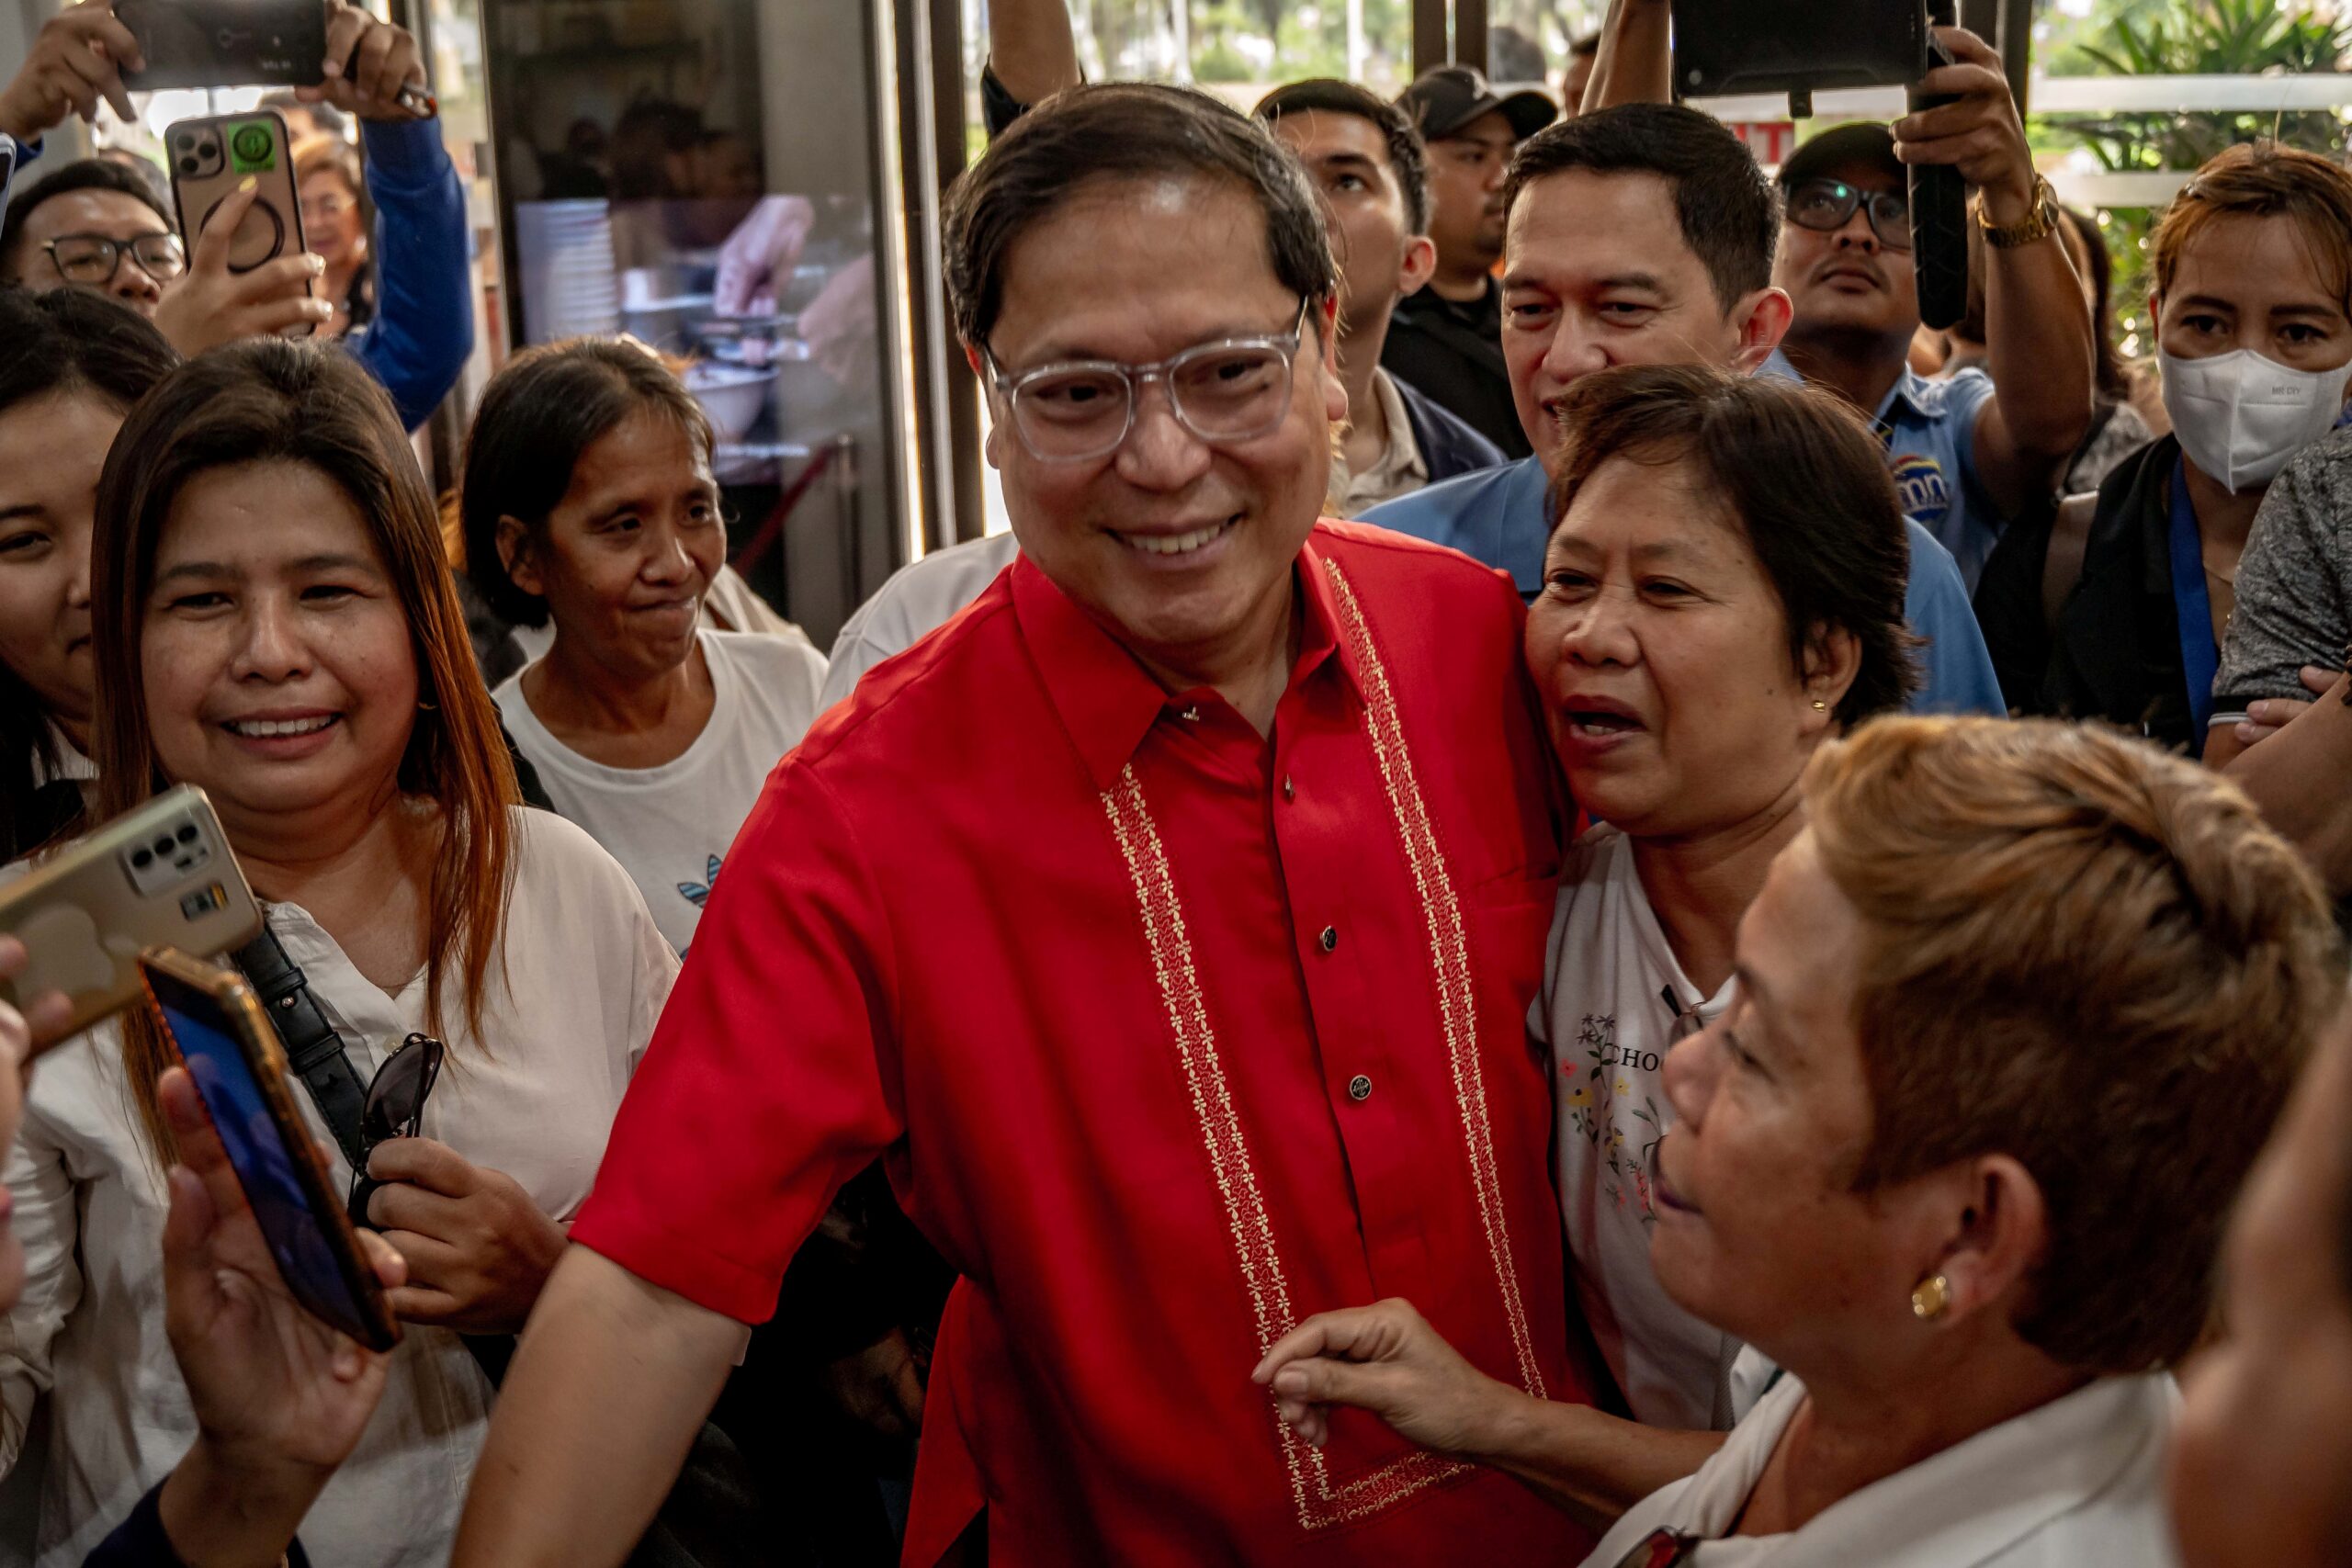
[(275, 622)]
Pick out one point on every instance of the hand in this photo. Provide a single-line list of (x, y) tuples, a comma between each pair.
[(280, 1398), (1981, 135), (76, 59), (39, 1025), (478, 1248), (756, 264), (839, 323), (1387, 1360), (880, 1387), (2268, 716), (367, 62), (209, 305)]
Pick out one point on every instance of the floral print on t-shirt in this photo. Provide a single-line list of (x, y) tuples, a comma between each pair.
[(1601, 1106)]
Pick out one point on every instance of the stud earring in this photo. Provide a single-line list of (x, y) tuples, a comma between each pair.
[(1820, 707), (1931, 1297)]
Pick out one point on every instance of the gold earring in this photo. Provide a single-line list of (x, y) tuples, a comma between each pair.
[(1820, 707), (1931, 1297)]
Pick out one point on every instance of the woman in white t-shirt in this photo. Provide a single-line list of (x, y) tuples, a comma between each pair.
[(588, 501), (1723, 592), (273, 622)]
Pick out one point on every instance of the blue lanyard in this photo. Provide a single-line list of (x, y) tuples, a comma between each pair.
[(2200, 658)]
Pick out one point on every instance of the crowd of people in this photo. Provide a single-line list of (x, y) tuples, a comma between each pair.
[(1569, 895)]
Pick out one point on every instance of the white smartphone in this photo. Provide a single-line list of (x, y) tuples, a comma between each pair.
[(161, 875)]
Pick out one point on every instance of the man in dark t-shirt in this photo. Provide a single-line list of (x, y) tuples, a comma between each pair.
[(1446, 339)]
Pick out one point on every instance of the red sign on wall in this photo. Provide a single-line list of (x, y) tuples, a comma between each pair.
[(1771, 140)]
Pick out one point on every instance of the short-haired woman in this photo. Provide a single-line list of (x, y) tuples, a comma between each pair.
[(2117, 610), (274, 621), (75, 362), (333, 194), (1721, 594), (588, 500), (2014, 1014)]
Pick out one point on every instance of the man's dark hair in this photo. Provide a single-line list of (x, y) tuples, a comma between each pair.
[(1801, 474), (1586, 46), (83, 173), (1729, 212), (1408, 158), (1117, 131)]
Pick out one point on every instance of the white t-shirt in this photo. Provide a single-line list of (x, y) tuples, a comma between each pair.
[(1604, 1014), (920, 598), (2077, 1482), (568, 1013), (670, 826)]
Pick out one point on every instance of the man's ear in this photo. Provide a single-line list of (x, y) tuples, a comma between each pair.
[(1996, 1232), (515, 555), (1763, 320), (1418, 267)]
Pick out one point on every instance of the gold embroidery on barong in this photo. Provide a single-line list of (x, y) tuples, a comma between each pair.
[(1319, 1505)]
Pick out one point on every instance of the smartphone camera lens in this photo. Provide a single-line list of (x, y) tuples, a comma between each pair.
[(141, 859), (187, 835), (188, 165), (163, 846)]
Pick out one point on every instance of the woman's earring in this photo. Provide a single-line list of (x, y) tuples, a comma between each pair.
[(1820, 707), (1929, 1297)]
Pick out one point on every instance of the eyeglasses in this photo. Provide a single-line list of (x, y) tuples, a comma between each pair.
[(394, 1109), (325, 209), (1235, 390), (1825, 205), (1660, 1549), (91, 260)]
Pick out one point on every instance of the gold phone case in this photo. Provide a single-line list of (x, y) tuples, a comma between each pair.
[(265, 1055), (211, 157), (159, 875)]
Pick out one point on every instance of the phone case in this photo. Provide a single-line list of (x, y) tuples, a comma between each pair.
[(225, 43), (211, 157), (161, 875), (265, 1057)]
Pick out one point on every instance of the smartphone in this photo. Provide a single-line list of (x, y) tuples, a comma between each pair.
[(161, 873), (211, 157), (226, 43), (221, 1036)]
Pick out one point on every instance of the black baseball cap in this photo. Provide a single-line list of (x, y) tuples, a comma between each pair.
[(1864, 141), (1444, 98)]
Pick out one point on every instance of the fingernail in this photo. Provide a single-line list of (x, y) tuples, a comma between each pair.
[(248, 183), (1290, 1379), (317, 263)]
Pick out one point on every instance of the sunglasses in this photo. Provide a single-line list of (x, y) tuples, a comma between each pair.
[(1826, 206), (1660, 1549), (394, 1109)]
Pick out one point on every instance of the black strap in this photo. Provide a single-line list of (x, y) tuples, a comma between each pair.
[(313, 1050)]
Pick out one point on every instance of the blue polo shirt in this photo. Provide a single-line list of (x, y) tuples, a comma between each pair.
[(1930, 428), (1498, 516)]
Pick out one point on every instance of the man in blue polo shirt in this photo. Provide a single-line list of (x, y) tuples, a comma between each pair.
[(1643, 234), (1970, 451)]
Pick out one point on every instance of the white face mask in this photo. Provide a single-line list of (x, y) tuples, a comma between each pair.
[(2240, 416)]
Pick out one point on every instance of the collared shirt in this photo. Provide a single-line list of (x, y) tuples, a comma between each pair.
[(1398, 470), (1230, 1031), (1453, 353), (1930, 428), (571, 1006), (1501, 517), (921, 597), (2078, 1481)]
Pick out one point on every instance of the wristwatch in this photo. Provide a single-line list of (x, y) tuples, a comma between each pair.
[(2037, 224)]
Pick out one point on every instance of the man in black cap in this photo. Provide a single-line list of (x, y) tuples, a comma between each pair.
[(1970, 450), (1447, 339)]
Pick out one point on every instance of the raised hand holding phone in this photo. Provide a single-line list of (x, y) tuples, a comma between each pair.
[(212, 304), (77, 62), (372, 69), (280, 1398)]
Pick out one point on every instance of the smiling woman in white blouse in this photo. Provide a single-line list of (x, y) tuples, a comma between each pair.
[(589, 503), (275, 622)]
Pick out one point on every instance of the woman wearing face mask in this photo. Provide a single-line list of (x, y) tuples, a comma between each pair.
[(72, 364), (1723, 594), (588, 501), (2117, 610), (273, 622)]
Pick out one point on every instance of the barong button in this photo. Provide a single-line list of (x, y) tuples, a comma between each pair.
[(1288, 792), (1330, 938), (1359, 1087)]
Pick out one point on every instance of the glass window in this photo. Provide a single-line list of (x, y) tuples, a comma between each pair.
[(1527, 40)]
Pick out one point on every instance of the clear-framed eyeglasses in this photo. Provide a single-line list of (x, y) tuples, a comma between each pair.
[(91, 260), (1233, 390)]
